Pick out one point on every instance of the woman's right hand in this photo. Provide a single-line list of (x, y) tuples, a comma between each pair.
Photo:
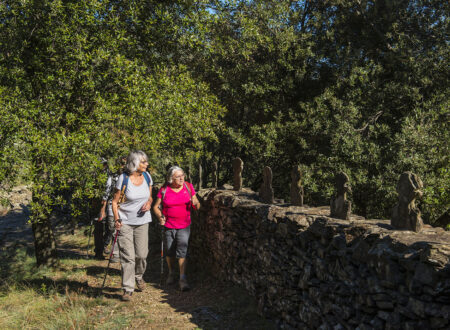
[(162, 220), (118, 224)]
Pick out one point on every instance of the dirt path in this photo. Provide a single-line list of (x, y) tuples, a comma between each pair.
[(14, 227), (210, 304)]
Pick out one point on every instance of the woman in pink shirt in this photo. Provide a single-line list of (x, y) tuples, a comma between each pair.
[(176, 197)]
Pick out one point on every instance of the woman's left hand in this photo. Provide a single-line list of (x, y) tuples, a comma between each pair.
[(195, 203), (146, 206)]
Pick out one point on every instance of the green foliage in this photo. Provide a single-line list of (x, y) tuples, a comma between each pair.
[(72, 90), (80, 98), (354, 86), (359, 86)]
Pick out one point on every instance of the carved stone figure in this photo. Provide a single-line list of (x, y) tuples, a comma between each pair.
[(296, 186), (200, 174), (266, 190), (341, 208), (405, 214), (214, 175), (238, 167)]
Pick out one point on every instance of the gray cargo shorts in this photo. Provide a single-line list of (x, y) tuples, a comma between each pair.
[(176, 242)]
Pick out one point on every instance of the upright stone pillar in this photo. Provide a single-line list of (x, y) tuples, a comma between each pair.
[(238, 167), (214, 175), (341, 208), (405, 214), (296, 186), (266, 190)]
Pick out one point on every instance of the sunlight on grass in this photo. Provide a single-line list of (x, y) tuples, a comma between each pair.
[(68, 296), (79, 239), (36, 297), (25, 308), (77, 262)]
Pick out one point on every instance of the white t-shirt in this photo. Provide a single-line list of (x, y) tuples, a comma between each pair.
[(135, 198)]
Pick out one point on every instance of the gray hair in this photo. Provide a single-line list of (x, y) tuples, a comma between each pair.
[(170, 173), (134, 159)]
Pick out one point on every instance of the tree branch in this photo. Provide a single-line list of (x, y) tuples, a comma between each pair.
[(371, 120)]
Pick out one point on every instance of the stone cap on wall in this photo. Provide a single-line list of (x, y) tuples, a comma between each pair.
[(431, 246)]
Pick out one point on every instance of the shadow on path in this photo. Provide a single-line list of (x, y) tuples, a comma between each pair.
[(14, 227), (210, 304)]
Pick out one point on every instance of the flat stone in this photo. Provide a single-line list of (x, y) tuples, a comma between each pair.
[(385, 305)]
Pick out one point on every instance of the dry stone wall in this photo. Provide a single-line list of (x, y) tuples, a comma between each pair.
[(308, 270)]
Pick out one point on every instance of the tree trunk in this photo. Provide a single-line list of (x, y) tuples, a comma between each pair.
[(44, 243)]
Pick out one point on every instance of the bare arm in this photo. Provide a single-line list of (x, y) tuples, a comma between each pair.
[(115, 208), (158, 212), (148, 204), (102, 210), (195, 202)]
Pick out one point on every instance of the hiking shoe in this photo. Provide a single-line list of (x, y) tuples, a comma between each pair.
[(170, 279), (106, 250), (127, 296), (184, 286), (140, 284)]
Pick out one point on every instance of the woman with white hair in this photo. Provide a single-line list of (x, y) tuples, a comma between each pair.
[(131, 209), (176, 197)]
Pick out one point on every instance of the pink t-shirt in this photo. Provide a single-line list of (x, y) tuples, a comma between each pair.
[(177, 206)]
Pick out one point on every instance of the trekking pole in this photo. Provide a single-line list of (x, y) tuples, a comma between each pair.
[(90, 234), (110, 256), (162, 256)]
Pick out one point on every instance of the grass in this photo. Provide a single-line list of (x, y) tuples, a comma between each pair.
[(68, 297), (4, 202), (24, 307), (44, 298)]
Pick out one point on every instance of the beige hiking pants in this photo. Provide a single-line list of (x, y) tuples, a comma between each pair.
[(133, 245)]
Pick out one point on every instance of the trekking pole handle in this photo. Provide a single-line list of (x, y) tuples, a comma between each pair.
[(162, 220), (114, 244)]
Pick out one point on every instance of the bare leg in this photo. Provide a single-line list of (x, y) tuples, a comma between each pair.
[(182, 264), (183, 282), (170, 262)]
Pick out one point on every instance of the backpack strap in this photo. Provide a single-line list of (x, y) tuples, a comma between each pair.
[(188, 189), (190, 195), (163, 194), (124, 187), (147, 178)]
